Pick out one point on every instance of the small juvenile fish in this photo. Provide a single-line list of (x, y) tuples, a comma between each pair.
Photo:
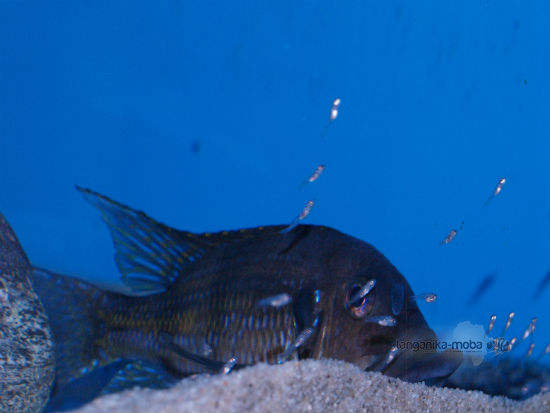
[(530, 328), (278, 300), (364, 291), (389, 358), (303, 337), (333, 115), (501, 183), (544, 352), (530, 350), (508, 322), (383, 320), (305, 212), (427, 297), (227, 367), (451, 236), (511, 344), (314, 176), (491, 323), (391, 355), (300, 340), (334, 109), (497, 190)]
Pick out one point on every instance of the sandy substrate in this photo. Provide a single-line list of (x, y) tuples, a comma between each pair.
[(308, 386)]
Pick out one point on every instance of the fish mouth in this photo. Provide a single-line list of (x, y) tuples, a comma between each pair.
[(417, 359), (432, 368)]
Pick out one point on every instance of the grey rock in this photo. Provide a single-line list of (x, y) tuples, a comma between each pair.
[(27, 360)]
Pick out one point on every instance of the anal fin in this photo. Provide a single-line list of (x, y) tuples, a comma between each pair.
[(211, 364), (83, 389), (141, 374)]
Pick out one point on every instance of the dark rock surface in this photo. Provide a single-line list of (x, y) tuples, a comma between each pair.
[(27, 362)]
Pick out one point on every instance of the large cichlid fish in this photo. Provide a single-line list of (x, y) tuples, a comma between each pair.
[(27, 363), (217, 301)]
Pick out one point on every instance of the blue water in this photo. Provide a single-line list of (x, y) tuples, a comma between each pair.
[(208, 115)]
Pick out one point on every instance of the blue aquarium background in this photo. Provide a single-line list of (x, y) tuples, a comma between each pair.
[(208, 116)]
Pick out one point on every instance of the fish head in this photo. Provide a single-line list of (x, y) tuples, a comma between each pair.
[(384, 330)]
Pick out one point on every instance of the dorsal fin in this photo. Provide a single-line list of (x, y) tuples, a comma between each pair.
[(224, 237), (149, 254)]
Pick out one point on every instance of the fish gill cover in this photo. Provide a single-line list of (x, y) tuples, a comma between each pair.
[(216, 117)]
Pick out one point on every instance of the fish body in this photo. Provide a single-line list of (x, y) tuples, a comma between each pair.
[(497, 191), (305, 212), (314, 176), (204, 291), (451, 236), (426, 297), (27, 362), (334, 109)]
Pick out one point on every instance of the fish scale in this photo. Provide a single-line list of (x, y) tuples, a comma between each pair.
[(185, 315)]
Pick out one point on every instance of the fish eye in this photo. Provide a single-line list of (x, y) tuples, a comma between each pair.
[(357, 305)]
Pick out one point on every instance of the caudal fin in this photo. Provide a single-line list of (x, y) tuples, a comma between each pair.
[(72, 308)]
